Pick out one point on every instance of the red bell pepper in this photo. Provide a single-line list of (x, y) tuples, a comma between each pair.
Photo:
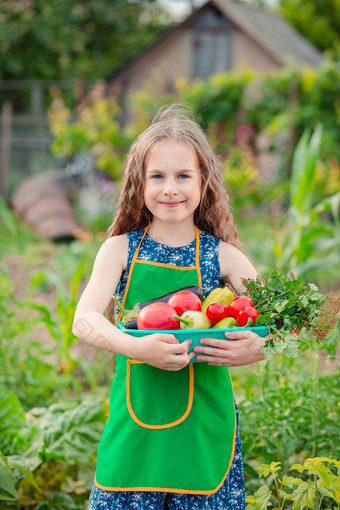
[(248, 316), (216, 312), (239, 303)]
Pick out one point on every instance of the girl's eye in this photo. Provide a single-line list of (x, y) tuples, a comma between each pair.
[(158, 176)]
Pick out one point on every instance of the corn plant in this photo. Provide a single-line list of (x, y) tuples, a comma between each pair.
[(307, 243)]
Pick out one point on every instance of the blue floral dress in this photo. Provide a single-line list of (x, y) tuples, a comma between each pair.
[(231, 495)]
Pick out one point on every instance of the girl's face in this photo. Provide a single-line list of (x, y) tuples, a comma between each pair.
[(172, 189)]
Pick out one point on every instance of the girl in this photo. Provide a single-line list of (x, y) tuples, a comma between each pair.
[(171, 440)]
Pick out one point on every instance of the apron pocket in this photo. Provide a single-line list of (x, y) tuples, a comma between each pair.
[(158, 399)]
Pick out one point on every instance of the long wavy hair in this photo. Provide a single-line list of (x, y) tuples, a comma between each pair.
[(174, 122)]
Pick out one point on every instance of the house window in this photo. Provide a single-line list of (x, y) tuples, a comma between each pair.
[(212, 37)]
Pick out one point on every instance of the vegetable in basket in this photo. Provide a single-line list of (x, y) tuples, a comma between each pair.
[(247, 316), (129, 317), (219, 295), (157, 316), (216, 312), (185, 300), (193, 320), (226, 323), (288, 302), (238, 304)]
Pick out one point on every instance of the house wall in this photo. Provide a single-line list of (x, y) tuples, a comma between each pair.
[(158, 70), (246, 54)]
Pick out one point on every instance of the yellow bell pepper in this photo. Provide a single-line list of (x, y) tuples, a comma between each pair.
[(219, 295)]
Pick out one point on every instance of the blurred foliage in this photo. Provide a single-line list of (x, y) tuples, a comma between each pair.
[(294, 99), (281, 104), (317, 21), (95, 129), (73, 39), (305, 244)]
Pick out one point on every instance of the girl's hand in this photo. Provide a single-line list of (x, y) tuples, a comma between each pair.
[(244, 351), (163, 350)]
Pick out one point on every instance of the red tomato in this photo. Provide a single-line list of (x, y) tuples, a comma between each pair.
[(239, 303), (248, 313), (216, 312), (185, 300), (157, 316)]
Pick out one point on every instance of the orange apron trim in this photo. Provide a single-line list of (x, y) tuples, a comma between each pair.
[(191, 383), (134, 261), (177, 491), (166, 425)]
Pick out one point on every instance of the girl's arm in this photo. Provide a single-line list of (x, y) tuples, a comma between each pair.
[(91, 325), (234, 266)]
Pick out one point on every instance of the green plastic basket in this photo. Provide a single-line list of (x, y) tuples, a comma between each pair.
[(195, 334)]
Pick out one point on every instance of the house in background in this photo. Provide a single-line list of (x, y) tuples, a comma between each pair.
[(220, 36)]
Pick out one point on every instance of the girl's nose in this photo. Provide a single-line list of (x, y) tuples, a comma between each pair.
[(170, 189)]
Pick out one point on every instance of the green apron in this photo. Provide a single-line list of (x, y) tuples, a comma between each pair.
[(168, 431)]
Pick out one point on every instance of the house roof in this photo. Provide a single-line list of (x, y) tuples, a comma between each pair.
[(269, 31)]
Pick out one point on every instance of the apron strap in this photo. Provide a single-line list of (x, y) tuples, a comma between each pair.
[(135, 255), (197, 258)]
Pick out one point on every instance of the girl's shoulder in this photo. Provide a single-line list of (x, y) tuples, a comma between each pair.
[(234, 263), (230, 255), (116, 247)]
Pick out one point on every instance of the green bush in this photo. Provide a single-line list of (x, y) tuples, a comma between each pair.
[(320, 490), (289, 407), (289, 99)]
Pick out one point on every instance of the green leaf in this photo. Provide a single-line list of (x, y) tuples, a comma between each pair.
[(334, 485), (3, 497), (267, 469), (289, 481), (304, 162), (330, 203), (8, 218), (3, 458), (7, 481), (73, 434), (262, 497), (303, 496), (43, 506), (299, 468), (28, 475), (77, 277), (12, 415), (59, 501)]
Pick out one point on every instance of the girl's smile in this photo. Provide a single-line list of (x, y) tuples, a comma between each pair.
[(171, 204), (172, 181)]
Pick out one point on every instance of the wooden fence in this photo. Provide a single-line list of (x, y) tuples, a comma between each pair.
[(24, 135)]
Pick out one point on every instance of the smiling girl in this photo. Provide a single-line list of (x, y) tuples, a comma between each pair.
[(171, 440)]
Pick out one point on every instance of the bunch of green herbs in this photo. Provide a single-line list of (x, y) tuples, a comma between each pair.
[(286, 304)]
